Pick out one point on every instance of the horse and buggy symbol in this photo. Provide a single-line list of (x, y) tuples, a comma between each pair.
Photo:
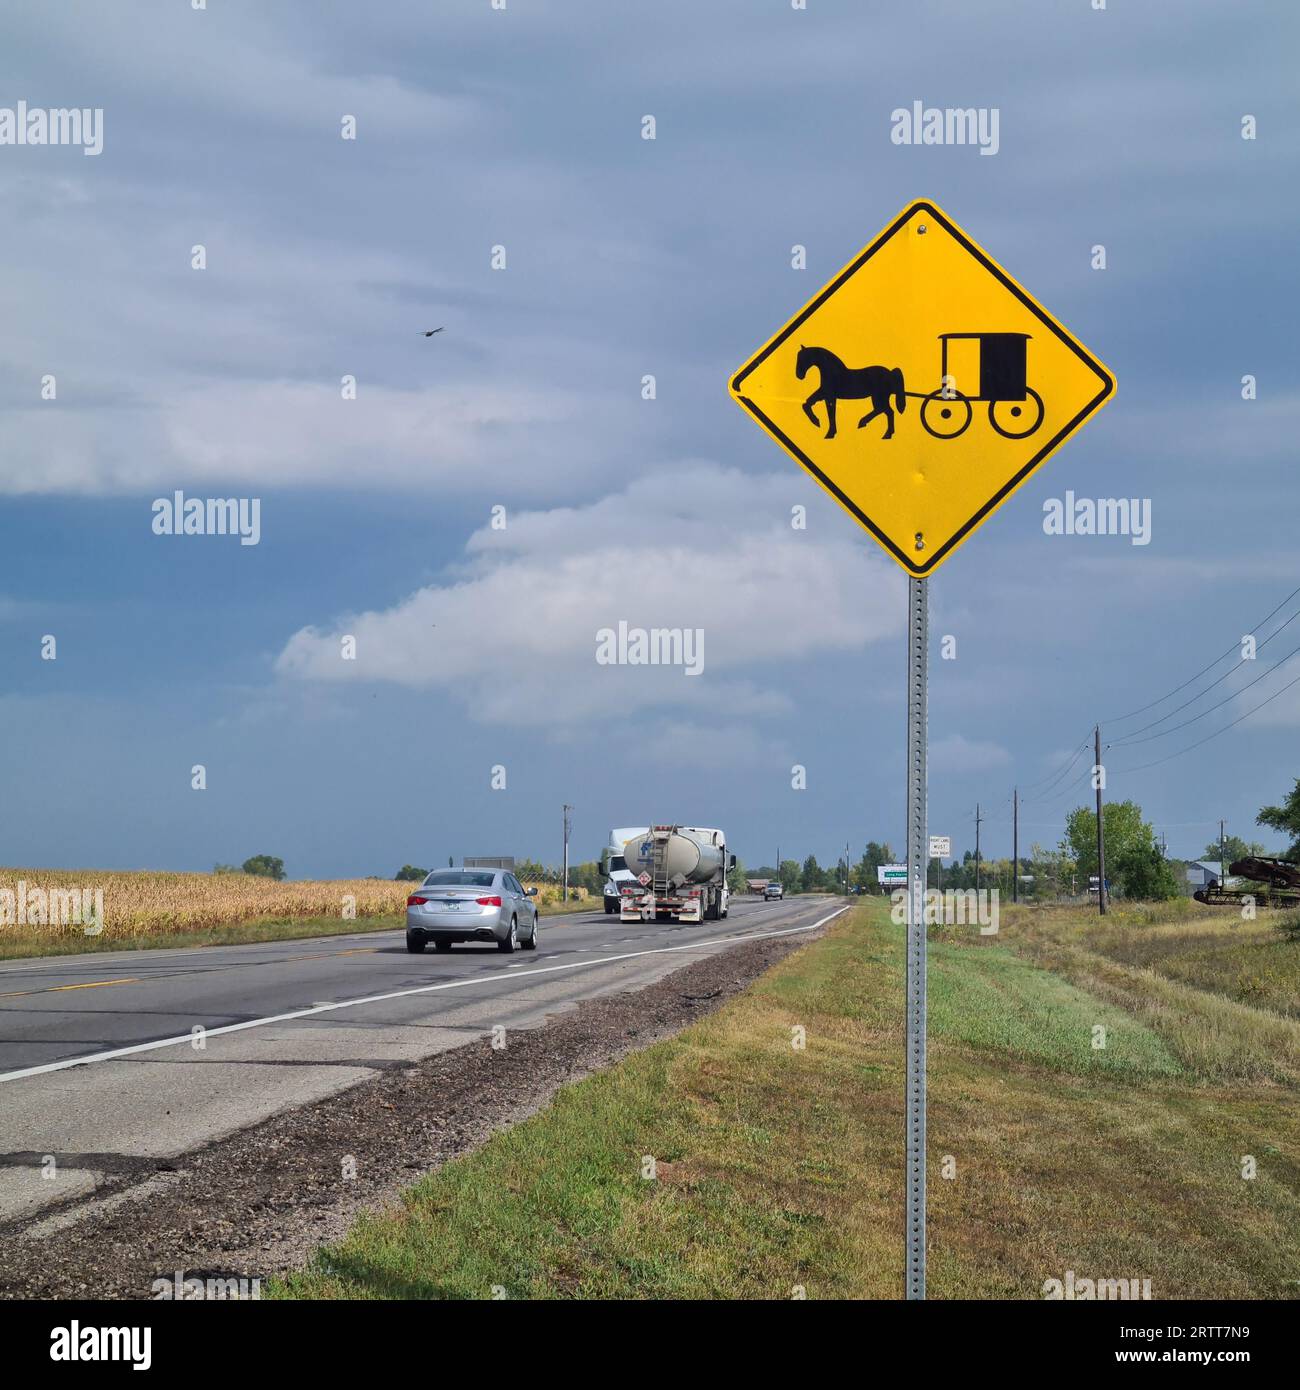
[(1015, 409)]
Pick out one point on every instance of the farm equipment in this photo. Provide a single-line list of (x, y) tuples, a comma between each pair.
[(1281, 885)]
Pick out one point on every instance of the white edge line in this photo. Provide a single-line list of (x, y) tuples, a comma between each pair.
[(135, 1048)]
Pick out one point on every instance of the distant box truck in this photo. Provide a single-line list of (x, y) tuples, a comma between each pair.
[(677, 873)]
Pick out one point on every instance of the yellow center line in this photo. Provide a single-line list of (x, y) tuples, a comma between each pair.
[(134, 980), (95, 984), (54, 989)]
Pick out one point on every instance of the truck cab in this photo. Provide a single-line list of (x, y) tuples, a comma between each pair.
[(617, 872)]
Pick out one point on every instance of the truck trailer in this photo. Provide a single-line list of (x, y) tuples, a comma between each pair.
[(676, 873)]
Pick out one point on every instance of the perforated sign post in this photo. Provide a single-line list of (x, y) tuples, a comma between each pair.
[(963, 385)]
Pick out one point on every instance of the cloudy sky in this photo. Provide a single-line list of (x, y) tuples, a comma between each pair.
[(522, 128)]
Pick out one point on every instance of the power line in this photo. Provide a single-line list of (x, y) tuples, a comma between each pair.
[(1132, 738), (1055, 776), (1227, 699), (1143, 766), (1236, 646)]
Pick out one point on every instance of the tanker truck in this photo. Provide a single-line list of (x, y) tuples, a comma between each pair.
[(677, 873)]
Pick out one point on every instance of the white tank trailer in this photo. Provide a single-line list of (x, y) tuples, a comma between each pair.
[(676, 873)]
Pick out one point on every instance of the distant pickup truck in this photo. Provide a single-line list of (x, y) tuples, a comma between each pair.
[(773, 890)]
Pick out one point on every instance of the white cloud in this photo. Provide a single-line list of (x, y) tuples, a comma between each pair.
[(513, 631), (291, 434)]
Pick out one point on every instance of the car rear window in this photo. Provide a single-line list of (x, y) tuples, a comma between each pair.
[(460, 878)]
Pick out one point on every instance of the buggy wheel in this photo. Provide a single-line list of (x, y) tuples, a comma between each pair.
[(945, 417), (1016, 419)]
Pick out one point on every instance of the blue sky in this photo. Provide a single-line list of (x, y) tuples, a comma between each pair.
[(522, 128)]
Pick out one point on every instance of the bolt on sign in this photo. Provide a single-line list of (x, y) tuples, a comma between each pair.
[(922, 387)]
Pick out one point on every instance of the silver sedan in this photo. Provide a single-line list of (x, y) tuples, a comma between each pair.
[(471, 905)]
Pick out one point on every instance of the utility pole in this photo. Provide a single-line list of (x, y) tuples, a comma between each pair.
[(977, 846), (567, 825), (1101, 833), (1015, 844), (1223, 857)]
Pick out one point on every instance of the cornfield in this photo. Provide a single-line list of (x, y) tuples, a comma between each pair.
[(35, 902), (161, 904)]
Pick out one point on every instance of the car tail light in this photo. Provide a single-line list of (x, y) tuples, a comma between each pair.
[(414, 899), (493, 901)]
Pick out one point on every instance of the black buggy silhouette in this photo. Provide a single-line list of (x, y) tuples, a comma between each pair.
[(1015, 409)]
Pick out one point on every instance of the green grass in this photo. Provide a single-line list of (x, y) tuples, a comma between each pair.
[(780, 1168), (998, 1002)]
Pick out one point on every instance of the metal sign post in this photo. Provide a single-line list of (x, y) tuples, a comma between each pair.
[(925, 315), (917, 864)]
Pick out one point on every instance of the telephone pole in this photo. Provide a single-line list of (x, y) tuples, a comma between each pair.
[(977, 846), (1101, 834), (1015, 844), (1223, 857), (567, 825)]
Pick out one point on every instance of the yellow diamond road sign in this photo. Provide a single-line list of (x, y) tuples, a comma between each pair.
[(922, 386)]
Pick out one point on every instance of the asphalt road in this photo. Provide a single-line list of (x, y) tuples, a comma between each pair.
[(112, 1058)]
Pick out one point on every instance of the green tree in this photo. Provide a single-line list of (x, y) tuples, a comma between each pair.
[(789, 875), (1234, 847), (226, 869), (408, 873), (1143, 872), (1285, 818), (1134, 862), (1053, 871), (810, 880), (1125, 831), (738, 878), (587, 875), (872, 858), (265, 866)]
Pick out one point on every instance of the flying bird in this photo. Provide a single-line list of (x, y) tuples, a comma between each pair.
[(432, 331)]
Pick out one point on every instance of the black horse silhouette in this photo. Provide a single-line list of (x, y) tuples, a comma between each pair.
[(841, 383)]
